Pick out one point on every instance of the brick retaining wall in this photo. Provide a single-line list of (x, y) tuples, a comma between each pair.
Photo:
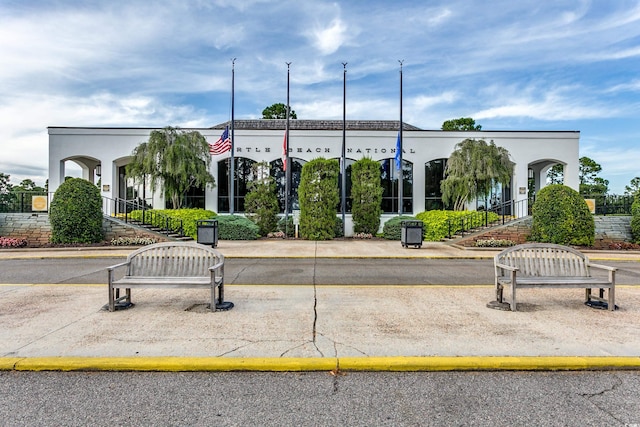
[(36, 229), (609, 229)]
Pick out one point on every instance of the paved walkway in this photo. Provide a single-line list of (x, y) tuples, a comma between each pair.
[(63, 327)]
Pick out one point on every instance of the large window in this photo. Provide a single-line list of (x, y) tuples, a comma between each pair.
[(433, 176), (279, 175), (389, 177), (242, 169), (348, 199)]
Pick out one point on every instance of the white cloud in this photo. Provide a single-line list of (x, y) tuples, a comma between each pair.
[(328, 39)]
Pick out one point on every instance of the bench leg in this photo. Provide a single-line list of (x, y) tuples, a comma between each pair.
[(112, 302), (513, 291), (612, 298), (499, 291)]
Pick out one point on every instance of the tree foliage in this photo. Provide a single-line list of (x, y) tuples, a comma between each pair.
[(461, 124), (261, 202), (318, 197), (633, 188), (175, 159), (590, 182), (366, 194), (5, 188), (555, 175), (278, 111), (76, 213), (473, 170)]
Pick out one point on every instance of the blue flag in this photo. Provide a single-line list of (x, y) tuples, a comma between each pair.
[(398, 151)]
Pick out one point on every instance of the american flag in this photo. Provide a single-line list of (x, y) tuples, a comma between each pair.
[(222, 145)]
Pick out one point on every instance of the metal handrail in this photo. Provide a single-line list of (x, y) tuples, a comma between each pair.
[(507, 212), (123, 209)]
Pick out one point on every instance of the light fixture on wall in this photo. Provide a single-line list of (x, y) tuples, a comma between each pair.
[(530, 174), (98, 170)]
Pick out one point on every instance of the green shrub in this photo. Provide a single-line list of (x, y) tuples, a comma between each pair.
[(261, 202), (318, 197), (392, 229), (76, 213), (366, 194), (189, 218), (233, 227), (560, 215), (635, 219), (337, 231), (438, 223)]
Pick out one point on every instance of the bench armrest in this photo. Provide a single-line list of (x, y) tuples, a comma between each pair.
[(113, 267), (507, 267), (603, 267), (216, 266)]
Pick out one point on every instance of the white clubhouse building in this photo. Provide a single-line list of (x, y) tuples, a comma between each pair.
[(103, 153)]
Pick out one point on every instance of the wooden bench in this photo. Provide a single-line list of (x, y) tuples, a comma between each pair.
[(547, 265), (170, 265)]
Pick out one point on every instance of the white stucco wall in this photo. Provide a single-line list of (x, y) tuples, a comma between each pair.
[(111, 148)]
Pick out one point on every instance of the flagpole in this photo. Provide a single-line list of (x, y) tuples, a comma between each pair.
[(343, 159), (400, 174), (287, 172), (232, 165)]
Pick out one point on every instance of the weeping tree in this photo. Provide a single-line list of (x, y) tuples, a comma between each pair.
[(473, 170), (175, 159)]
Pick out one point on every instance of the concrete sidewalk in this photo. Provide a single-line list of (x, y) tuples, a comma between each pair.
[(279, 248), (273, 328)]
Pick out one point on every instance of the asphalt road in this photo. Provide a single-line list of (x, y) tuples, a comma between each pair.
[(320, 399), (298, 271)]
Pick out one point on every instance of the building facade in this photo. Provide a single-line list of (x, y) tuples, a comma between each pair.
[(103, 153)]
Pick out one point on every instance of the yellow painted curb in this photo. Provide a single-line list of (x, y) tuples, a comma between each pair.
[(292, 364), (8, 363), (174, 364), (490, 363)]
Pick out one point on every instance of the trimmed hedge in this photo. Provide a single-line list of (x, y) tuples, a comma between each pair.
[(392, 229), (76, 213), (234, 227), (436, 226), (188, 217), (366, 195), (560, 215), (318, 197), (261, 202), (635, 219)]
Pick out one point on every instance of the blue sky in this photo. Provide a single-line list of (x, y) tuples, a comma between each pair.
[(511, 65)]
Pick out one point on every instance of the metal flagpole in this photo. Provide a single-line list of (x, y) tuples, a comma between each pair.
[(232, 173), (343, 159), (400, 174), (287, 173)]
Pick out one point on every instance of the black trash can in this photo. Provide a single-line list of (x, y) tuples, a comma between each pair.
[(412, 232), (207, 232)]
